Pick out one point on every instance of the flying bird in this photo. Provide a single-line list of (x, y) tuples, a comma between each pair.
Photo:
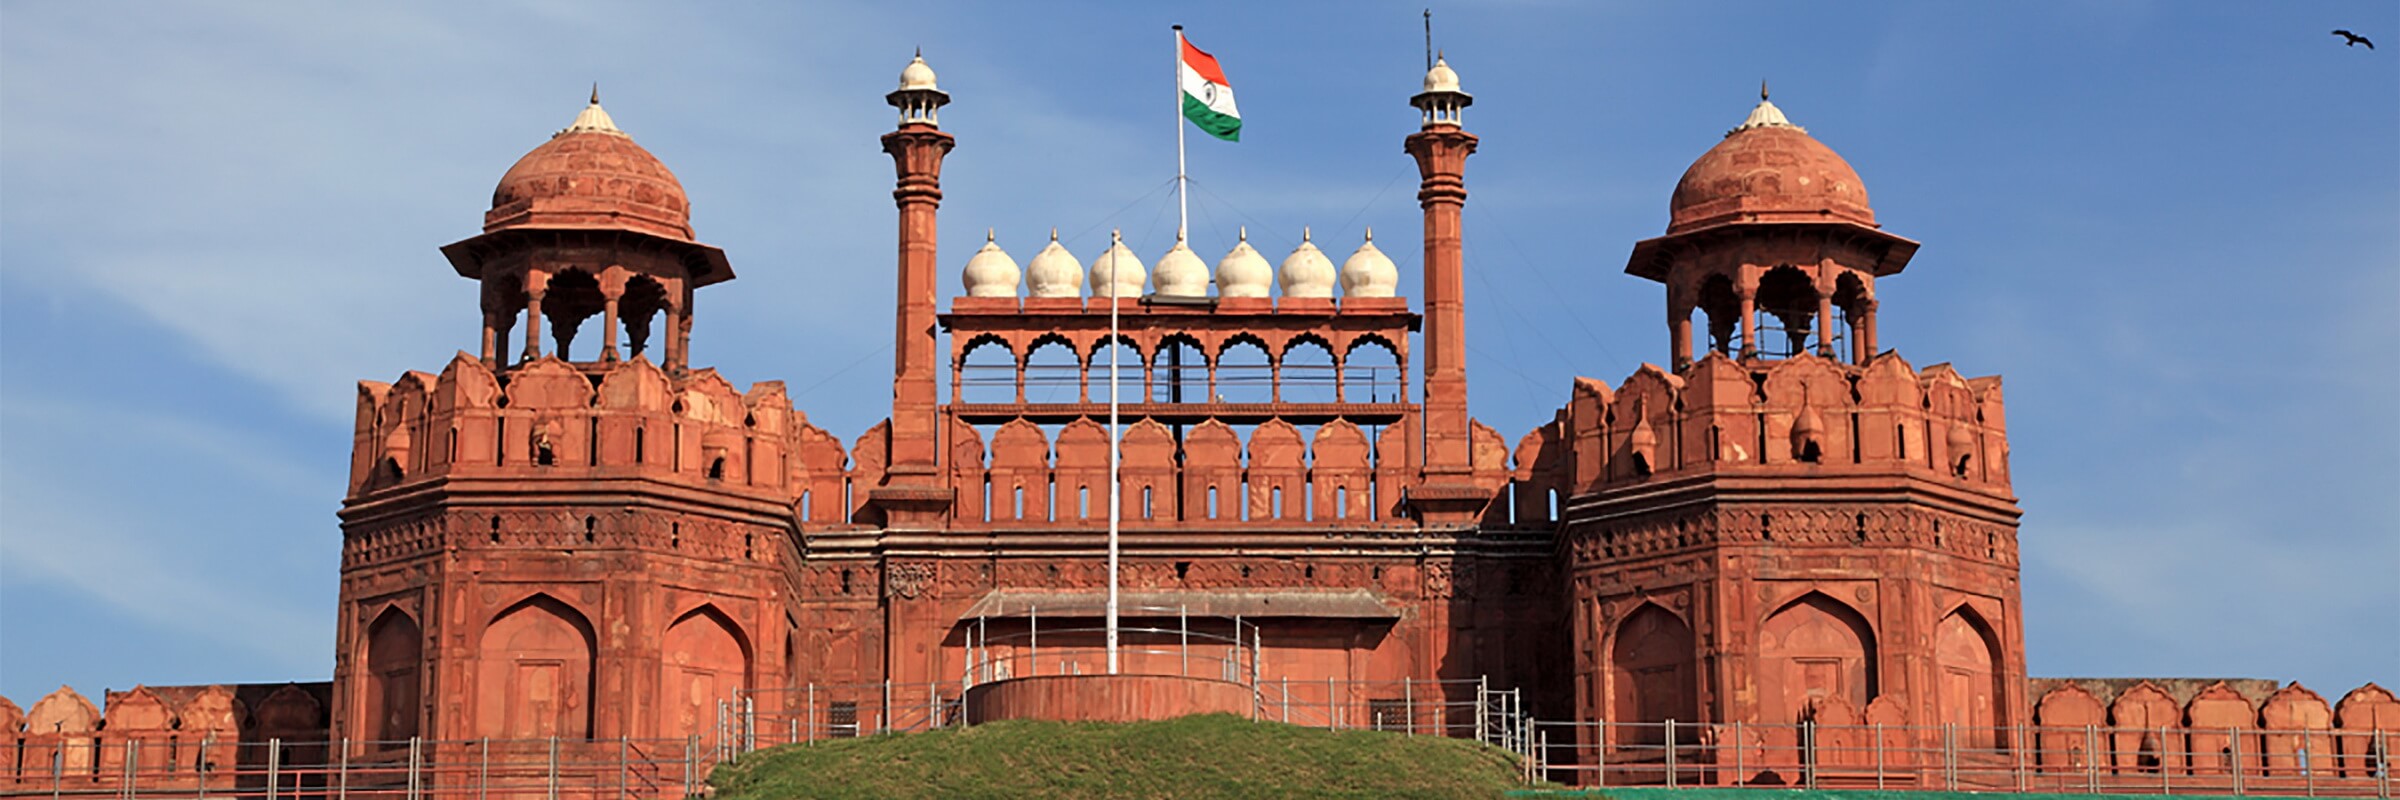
[(2354, 39)]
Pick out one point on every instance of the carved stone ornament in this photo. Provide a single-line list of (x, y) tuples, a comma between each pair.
[(907, 580)]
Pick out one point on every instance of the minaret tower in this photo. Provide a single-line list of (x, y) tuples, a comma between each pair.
[(1448, 496), (913, 496)]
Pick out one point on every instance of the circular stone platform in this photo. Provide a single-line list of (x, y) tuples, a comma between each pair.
[(1105, 698)]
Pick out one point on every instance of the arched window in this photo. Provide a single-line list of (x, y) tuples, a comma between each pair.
[(987, 372), (638, 312), (1129, 370), (1179, 372), (1244, 375), (534, 678), (573, 298), (1052, 372), (1308, 371), (1371, 373)]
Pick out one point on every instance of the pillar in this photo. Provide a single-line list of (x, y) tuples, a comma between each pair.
[(533, 321), (1749, 321), (1679, 327), (1869, 336), (1824, 323), (608, 335)]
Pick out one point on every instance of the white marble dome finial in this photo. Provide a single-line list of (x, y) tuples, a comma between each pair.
[(1307, 272), (990, 272), (1181, 273), (1117, 272), (1243, 272), (1370, 273), (1765, 115), (593, 119), (1054, 272), (917, 75), (1441, 78)]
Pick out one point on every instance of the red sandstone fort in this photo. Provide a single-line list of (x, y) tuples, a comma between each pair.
[(1782, 548)]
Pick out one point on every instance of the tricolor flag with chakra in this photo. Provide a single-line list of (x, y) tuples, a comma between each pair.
[(1207, 98)]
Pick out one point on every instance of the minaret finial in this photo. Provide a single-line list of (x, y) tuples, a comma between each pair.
[(1762, 90), (1429, 38), (1053, 233), (1370, 233), (1303, 233), (595, 92), (1245, 233), (920, 51), (991, 235)]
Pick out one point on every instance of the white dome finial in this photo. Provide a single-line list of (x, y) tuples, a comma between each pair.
[(1180, 272), (1054, 272), (990, 272), (593, 119), (1307, 272), (1765, 115), (1243, 272), (1370, 273), (1117, 272)]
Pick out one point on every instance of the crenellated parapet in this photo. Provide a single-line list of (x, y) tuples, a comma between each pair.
[(164, 738), (1802, 416), (550, 419), (2168, 728)]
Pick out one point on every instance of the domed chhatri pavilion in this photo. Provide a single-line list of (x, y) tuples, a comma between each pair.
[(1785, 524)]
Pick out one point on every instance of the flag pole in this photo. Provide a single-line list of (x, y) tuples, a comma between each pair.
[(1183, 210), (1115, 512)]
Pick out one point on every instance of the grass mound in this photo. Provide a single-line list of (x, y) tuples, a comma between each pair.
[(1215, 755)]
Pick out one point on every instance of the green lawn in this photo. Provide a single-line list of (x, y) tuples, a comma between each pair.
[(1214, 755)]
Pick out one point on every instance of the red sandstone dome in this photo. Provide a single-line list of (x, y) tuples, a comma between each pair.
[(591, 175), (1768, 170)]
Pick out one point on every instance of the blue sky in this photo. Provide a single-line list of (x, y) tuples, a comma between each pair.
[(2173, 226)]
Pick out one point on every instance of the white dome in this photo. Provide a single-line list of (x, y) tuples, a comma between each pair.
[(990, 272), (1181, 273), (1120, 266), (1054, 272), (1307, 272), (916, 75), (1370, 273), (1439, 79), (1243, 272)]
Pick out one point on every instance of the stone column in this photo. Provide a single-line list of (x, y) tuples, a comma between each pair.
[(608, 336), (1824, 323), (1749, 321), (533, 319)]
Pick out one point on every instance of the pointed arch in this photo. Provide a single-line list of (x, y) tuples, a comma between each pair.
[(705, 658), (1305, 370), (535, 677), (1814, 646), (1245, 370), (1653, 672), (1053, 370), (1967, 683), (987, 370), (395, 658)]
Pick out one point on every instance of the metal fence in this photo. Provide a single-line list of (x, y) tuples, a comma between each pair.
[(2092, 760), (412, 769)]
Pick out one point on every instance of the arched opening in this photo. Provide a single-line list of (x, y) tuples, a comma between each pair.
[(395, 659), (987, 372), (535, 676), (1244, 375), (1786, 295), (1307, 374), (1724, 310), (1371, 373), (1652, 673), (1181, 368), (1814, 648), (638, 311), (504, 304), (1966, 658), (1052, 372), (573, 298), (1129, 370), (706, 659)]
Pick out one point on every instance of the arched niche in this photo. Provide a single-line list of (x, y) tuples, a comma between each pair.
[(1652, 674), (1967, 688), (705, 659), (535, 676), (394, 659), (1814, 647)]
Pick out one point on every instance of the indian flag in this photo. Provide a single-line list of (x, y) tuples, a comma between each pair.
[(1207, 98)]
